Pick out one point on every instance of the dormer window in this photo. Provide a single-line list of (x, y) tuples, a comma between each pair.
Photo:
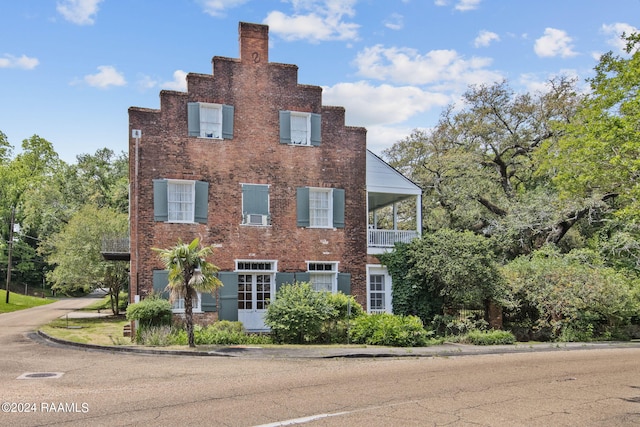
[(208, 120), (298, 128)]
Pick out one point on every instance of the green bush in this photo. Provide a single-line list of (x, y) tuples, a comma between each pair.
[(335, 330), (223, 332), (156, 336), (151, 311), (495, 337), (298, 314), (390, 330)]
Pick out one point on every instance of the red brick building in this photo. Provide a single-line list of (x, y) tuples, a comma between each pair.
[(251, 162)]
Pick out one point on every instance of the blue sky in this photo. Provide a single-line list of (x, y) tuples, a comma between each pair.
[(70, 69)]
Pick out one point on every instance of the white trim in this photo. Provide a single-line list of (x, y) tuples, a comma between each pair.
[(306, 116), (194, 310), (218, 109), (333, 273), (378, 269), (274, 266), (329, 192), (192, 183)]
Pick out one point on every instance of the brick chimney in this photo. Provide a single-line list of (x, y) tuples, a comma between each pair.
[(254, 43)]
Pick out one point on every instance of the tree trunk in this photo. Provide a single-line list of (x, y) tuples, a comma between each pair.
[(188, 313)]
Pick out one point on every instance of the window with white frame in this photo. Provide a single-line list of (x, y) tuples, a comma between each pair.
[(178, 305), (181, 201), (320, 207), (379, 298), (210, 120), (323, 276), (300, 129)]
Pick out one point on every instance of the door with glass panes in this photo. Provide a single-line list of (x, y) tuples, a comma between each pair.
[(254, 293)]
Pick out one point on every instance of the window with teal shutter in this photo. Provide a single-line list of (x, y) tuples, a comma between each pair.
[(180, 201), (255, 204), (228, 295), (201, 209), (338, 208), (302, 206), (297, 128), (208, 120), (320, 207), (160, 201), (285, 127)]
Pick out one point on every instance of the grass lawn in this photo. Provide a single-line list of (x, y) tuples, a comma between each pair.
[(20, 302), (95, 330)]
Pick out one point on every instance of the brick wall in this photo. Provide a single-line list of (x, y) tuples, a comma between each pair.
[(258, 90)]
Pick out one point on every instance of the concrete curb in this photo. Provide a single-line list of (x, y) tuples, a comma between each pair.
[(445, 350)]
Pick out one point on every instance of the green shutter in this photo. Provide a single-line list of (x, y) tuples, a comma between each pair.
[(228, 294), (344, 283), (302, 206), (160, 200), (338, 207), (193, 118), (227, 121), (316, 135), (303, 277), (284, 279), (255, 199), (201, 209), (285, 127), (208, 302), (160, 282)]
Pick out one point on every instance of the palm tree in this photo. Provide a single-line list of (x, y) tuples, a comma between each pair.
[(189, 273)]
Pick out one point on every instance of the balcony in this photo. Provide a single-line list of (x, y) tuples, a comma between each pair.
[(388, 238), (388, 215), (115, 249)]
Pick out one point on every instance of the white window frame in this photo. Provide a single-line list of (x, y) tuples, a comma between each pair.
[(215, 126), (313, 217), (178, 305), (306, 140), (325, 269), (378, 270), (172, 214)]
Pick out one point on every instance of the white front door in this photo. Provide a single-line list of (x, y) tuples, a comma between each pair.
[(254, 294), (378, 290)]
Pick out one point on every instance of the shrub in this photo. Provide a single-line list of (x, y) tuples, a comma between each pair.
[(156, 336), (298, 314), (151, 311), (488, 337), (336, 328), (225, 332), (390, 330)]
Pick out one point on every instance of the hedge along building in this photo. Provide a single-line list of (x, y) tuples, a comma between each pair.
[(252, 163)]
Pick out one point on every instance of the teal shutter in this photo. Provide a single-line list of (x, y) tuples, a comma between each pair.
[(284, 279), (228, 294), (208, 302), (160, 282), (201, 208), (303, 277), (193, 118), (316, 135), (255, 199), (344, 283), (285, 127), (338, 207), (227, 121), (302, 206), (160, 200)]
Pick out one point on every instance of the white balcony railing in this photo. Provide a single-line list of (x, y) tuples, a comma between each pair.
[(387, 238)]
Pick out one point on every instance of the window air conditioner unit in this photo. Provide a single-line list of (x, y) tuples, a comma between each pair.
[(255, 219)]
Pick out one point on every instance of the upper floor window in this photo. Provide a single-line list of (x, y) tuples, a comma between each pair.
[(255, 204), (207, 120), (320, 207), (300, 128), (180, 201)]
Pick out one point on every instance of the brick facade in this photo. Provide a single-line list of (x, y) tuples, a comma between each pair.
[(258, 90)]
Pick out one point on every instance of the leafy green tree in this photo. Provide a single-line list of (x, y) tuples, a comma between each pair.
[(189, 273), (75, 254), (478, 170), (598, 157), (444, 269)]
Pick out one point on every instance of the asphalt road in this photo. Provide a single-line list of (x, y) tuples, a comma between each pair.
[(573, 388)]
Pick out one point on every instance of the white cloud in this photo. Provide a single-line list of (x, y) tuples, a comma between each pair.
[(485, 38), (179, 82), (218, 7), (465, 5), (406, 65), (368, 105), (315, 21), (105, 77), (461, 5), (23, 62), (81, 12), (614, 31), (554, 42), (394, 22)]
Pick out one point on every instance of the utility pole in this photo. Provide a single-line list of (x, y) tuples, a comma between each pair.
[(13, 217)]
